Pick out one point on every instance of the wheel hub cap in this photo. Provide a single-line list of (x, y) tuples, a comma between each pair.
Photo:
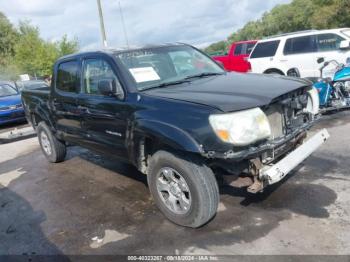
[(45, 142), (173, 190)]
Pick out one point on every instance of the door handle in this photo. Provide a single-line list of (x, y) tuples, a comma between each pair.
[(83, 109)]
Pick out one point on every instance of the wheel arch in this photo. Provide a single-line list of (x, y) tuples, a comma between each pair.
[(149, 136), (274, 70)]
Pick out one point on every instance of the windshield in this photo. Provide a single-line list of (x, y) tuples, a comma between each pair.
[(6, 90), (171, 64)]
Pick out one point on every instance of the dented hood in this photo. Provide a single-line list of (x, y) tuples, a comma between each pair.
[(231, 91)]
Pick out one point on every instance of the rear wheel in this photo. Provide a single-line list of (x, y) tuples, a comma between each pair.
[(183, 188), (53, 149)]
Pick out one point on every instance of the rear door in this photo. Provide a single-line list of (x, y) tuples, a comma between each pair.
[(300, 53), (64, 100), (263, 56), (105, 117), (328, 48)]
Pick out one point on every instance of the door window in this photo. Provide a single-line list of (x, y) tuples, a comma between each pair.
[(328, 42), (265, 49), (68, 79), (238, 49), (96, 70), (300, 45)]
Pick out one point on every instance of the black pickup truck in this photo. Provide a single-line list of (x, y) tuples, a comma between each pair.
[(176, 115)]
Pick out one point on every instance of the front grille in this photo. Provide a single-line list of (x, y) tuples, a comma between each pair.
[(4, 108), (287, 115), (12, 107)]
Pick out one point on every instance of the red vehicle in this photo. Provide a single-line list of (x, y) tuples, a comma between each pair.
[(236, 59)]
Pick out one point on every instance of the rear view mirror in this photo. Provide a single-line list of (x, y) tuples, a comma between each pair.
[(320, 60), (345, 44), (107, 87)]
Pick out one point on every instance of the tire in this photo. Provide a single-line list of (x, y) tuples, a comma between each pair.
[(199, 204), (53, 149)]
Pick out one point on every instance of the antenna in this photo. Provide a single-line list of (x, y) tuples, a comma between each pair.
[(102, 25), (123, 24)]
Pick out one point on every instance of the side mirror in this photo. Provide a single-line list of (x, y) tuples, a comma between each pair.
[(348, 61), (107, 87), (320, 60), (345, 44)]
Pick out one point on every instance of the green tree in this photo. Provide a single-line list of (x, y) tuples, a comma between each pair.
[(66, 47), (8, 38), (298, 15), (35, 56)]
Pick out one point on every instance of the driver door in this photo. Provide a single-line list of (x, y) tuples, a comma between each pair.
[(105, 117)]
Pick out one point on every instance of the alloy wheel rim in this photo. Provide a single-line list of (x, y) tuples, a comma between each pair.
[(173, 191), (45, 142)]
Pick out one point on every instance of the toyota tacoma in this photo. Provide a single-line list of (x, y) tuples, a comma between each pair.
[(175, 114)]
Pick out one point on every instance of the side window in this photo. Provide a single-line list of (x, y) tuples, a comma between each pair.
[(68, 79), (96, 70), (328, 42), (250, 47), (265, 49), (300, 45), (238, 49)]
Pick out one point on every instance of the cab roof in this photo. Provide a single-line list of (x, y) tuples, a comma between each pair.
[(112, 50)]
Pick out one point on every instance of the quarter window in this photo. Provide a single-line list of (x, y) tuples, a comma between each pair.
[(328, 42), (68, 79), (265, 49), (300, 45), (96, 70)]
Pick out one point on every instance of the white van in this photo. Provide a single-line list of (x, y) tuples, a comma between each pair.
[(300, 50)]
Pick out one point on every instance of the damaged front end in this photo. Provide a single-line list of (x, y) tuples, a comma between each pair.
[(268, 161)]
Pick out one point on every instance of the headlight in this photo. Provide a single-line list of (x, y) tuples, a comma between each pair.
[(241, 128)]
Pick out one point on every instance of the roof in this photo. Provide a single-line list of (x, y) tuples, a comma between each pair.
[(113, 50), (303, 33)]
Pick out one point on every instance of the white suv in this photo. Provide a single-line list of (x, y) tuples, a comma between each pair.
[(300, 50)]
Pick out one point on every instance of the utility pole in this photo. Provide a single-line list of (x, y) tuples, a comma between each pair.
[(123, 25), (102, 25)]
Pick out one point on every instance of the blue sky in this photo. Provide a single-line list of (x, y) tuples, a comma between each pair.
[(197, 22)]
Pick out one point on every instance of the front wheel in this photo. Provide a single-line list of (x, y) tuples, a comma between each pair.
[(183, 188), (53, 149)]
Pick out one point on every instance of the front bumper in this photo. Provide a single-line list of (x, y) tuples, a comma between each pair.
[(271, 174)]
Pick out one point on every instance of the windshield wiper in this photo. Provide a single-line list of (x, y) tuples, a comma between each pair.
[(167, 84), (203, 75)]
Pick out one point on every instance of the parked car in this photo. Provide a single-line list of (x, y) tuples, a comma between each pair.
[(11, 109), (236, 58), (301, 50), (176, 115), (31, 84)]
